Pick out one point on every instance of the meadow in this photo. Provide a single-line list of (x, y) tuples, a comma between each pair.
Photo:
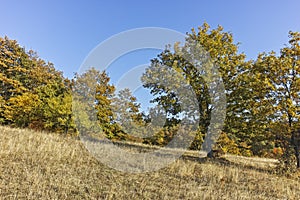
[(39, 165)]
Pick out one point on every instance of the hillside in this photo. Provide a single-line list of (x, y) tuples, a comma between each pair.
[(36, 165)]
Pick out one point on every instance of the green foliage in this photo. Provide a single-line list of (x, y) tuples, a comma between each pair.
[(262, 96), (278, 84), (32, 92), (93, 96), (55, 109), (224, 53), (127, 114)]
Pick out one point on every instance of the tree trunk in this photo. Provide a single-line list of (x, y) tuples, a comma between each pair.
[(297, 154), (295, 140)]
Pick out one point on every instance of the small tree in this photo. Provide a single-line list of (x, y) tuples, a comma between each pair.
[(93, 96), (127, 113)]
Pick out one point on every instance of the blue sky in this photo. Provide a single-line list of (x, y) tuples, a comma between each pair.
[(64, 32)]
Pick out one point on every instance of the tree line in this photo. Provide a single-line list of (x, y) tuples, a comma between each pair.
[(262, 96)]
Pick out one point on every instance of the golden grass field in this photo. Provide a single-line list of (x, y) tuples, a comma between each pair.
[(37, 165)]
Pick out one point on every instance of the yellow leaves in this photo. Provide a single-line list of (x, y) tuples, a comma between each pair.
[(31, 89), (19, 109), (3, 64)]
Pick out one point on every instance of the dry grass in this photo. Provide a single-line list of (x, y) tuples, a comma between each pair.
[(46, 166)]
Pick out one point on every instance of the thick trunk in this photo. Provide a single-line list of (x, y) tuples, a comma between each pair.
[(297, 154), (295, 140)]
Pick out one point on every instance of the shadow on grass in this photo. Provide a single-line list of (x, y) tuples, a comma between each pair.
[(221, 161)]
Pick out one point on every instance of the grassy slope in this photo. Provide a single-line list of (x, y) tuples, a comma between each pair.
[(46, 166)]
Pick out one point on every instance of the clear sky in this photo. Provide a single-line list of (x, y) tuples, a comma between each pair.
[(64, 32)]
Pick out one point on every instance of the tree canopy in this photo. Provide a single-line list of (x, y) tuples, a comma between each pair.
[(261, 96)]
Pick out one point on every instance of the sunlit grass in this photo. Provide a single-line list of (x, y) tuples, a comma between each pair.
[(36, 165)]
